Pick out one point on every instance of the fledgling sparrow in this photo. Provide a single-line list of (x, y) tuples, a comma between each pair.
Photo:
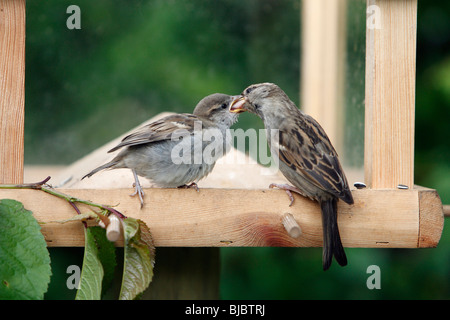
[(172, 151), (307, 158)]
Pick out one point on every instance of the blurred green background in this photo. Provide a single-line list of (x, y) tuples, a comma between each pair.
[(133, 59)]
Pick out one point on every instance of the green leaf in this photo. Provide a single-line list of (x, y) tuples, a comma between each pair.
[(24, 259), (106, 254), (90, 287), (139, 259)]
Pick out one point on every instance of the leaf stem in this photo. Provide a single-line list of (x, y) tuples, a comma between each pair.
[(43, 186)]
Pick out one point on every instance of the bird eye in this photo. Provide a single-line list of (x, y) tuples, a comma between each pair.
[(248, 90), (224, 106)]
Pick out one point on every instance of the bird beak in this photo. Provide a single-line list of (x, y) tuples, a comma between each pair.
[(237, 105)]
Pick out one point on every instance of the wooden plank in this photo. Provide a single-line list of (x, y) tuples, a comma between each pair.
[(241, 217), (431, 218), (12, 90), (390, 95), (323, 64)]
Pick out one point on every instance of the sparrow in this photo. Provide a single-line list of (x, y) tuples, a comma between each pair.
[(171, 152), (308, 160)]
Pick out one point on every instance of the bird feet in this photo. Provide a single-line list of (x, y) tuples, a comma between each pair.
[(288, 190), (188, 186), (138, 191)]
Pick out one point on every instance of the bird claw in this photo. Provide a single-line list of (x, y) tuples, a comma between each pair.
[(138, 189), (290, 197), (188, 186), (288, 190)]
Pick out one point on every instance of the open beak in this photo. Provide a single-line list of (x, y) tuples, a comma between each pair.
[(237, 105)]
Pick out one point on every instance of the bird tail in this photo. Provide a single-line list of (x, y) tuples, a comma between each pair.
[(108, 165), (332, 244)]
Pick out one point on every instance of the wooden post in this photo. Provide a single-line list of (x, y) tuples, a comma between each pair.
[(390, 93), (323, 62), (12, 90)]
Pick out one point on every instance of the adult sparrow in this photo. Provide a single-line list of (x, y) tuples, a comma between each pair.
[(307, 158), (179, 149)]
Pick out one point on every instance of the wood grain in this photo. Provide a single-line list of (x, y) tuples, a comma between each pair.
[(12, 90), (323, 64), (390, 95), (431, 218), (248, 217)]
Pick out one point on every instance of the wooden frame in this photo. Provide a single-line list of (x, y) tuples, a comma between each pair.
[(12, 88), (390, 96), (323, 61), (250, 217), (387, 217)]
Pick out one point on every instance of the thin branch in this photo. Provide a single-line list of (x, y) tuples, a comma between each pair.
[(43, 186), (36, 185), (74, 206)]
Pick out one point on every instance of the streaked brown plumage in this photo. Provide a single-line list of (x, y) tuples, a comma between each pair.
[(307, 158)]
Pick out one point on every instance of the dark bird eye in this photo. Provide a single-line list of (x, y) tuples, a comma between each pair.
[(248, 90), (224, 106)]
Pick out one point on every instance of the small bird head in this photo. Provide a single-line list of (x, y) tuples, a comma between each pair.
[(215, 108), (260, 99)]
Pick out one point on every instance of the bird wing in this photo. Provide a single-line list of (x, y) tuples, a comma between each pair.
[(306, 149), (163, 129)]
